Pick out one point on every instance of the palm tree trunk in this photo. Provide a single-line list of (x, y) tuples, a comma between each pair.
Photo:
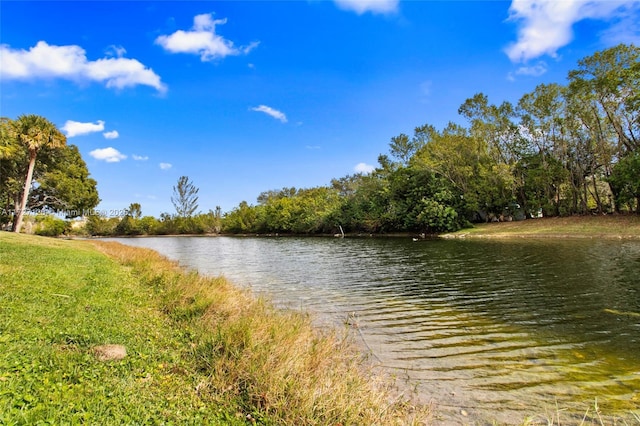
[(25, 193)]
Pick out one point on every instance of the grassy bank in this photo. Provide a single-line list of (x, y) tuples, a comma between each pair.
[(199, 351), (609, 226)]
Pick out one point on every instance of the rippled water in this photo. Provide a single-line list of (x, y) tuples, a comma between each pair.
[(499, 329)]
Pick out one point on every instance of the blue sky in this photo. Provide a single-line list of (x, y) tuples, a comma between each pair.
[(248, 96)]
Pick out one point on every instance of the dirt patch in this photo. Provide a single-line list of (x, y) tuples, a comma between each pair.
[(109, 352)]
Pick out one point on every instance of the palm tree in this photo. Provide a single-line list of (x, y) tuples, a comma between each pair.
[(33, 132)]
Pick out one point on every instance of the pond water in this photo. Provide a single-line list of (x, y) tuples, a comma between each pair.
[(495, 330)]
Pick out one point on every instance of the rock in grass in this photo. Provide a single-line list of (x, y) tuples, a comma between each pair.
[(109, 352)]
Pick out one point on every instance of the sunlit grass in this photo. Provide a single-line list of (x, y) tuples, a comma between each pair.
[(199, 350), (610, 226)]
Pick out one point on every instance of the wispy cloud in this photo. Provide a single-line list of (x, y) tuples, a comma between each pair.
[(110, 155), (165, 166), (425, 87), (626, 28), (202, 40), (139, 157), (364, 168), (77, 128), (111, 135), (373, 6), (117, 51), (44, 61), (424, 91), (278, 115), (532, 71)]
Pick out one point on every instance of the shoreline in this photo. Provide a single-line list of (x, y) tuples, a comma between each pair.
[(612, 227), (618, 226)]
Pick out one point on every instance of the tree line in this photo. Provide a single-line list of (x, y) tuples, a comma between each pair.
[(570, 149), (561, 150), (184, 221)]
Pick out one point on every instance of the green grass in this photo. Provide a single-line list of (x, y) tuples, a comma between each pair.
[(58, 299), (200, 351), (610, 226)]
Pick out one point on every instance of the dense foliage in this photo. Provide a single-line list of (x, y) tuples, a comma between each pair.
[(133, 223)]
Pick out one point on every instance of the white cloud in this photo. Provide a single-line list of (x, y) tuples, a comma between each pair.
[(546, 25), (77, 128), (202, 40), (71, 63), (364, 168), (278, 115), (111, 135), (139, 157), (373, 6), (110, 155), (165, 166)]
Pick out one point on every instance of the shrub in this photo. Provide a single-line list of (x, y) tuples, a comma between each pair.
[(51, 226)]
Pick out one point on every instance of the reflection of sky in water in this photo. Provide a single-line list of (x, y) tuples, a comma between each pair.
[(498, 326)]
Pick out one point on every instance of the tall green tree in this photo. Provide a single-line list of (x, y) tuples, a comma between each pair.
[(135, 210), (541, 127), (626, 179), (591, 145), (464, 160), (185, 197), (604, 92), (612, 76), (34, 133), (495, 125), (64, 183), (404, 148)]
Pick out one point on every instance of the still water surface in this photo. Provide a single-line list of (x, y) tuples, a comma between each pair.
[(499, 329)]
